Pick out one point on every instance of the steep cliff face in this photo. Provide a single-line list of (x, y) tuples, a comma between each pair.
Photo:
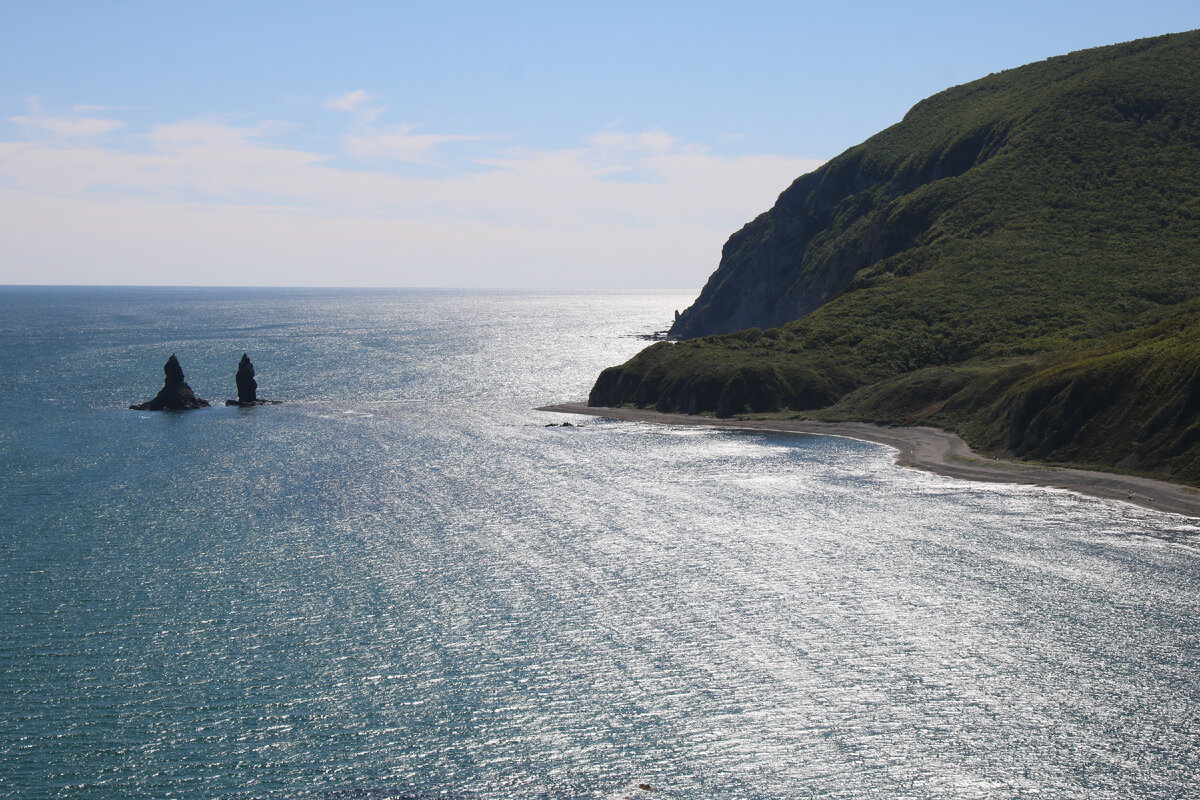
[(832, 223), (1001, 262), (901, 189)]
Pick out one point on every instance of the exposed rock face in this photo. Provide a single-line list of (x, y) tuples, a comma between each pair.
[(175, 395), (246, 385), (830, 224), (1013, 260)]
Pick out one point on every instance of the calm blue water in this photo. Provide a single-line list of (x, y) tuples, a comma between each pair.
[(400, 584)]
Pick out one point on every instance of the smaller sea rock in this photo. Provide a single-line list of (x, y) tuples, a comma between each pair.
[(175, 395), (247, 387)]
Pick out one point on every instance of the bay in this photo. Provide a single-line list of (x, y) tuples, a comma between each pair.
[(400, 583)]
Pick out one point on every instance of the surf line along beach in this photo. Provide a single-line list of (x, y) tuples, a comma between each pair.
[(938, 451)]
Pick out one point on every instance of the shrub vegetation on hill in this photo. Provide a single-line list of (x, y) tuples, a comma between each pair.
[(1018, 260)]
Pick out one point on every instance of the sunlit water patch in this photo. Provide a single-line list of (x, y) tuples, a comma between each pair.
[(400, 584)]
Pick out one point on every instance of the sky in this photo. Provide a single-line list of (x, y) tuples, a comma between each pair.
[(556, 145)]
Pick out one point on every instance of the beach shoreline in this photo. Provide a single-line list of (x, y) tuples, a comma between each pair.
[(940, 452)]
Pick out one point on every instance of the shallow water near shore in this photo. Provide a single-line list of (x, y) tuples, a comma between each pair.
[(401, 584)]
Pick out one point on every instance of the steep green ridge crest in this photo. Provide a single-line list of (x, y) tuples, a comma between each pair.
[(1017, 260)]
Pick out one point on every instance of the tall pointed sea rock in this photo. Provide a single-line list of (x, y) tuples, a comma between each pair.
[(247, 387), (175, 395)]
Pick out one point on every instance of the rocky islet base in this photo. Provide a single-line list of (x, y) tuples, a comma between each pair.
[(176, 395)]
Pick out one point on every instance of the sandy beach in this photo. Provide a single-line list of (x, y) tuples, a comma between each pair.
[(941, 452)]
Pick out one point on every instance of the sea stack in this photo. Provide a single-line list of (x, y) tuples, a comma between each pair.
[(247, 387), (175, 395)]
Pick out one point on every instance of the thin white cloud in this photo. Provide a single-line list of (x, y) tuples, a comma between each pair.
[(69, 127), (392, 143), (350, 102), (212, 131), (356, 103), (652, 141), (399, 143), (236, 205), (75, 127), (92, 109), (199, 244)]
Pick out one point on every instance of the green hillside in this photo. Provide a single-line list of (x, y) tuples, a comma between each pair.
[(1017, 260)]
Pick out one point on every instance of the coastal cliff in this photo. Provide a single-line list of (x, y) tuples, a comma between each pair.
[(1017, 260), (859, 210)]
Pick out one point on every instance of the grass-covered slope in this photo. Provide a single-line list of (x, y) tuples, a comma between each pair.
[(1017, 260)]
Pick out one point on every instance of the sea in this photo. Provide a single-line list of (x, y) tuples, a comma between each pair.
[(401, 583)]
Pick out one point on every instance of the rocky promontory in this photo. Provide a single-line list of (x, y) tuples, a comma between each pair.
[(1017, 260), (175, 395)]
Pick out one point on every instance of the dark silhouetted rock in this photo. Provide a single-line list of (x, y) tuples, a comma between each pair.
[(247, 387), (175, 395)]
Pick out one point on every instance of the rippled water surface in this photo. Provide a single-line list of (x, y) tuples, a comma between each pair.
[(401, 584)]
